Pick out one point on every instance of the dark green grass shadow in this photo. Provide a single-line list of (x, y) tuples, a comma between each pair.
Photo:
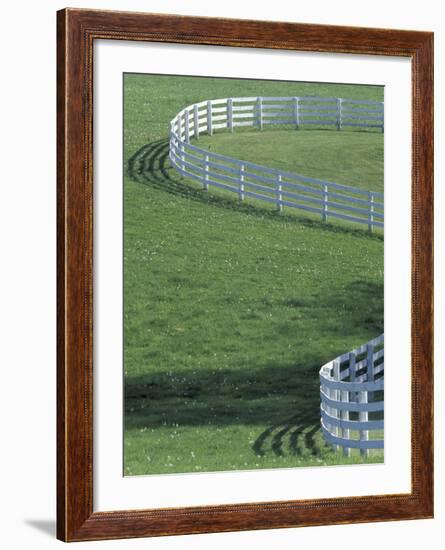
[(150, 165), (266, 395), (282, 396)]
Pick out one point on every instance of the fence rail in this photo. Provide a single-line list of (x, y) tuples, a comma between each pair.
[(284, 189), (352, 403)]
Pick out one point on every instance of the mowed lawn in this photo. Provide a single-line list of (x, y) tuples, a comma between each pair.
[(230, 309)]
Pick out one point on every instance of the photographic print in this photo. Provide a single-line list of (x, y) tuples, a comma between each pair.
[(220, 274), (253, 274)]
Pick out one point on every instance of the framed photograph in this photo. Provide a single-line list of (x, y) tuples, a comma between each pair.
[(245, 230)]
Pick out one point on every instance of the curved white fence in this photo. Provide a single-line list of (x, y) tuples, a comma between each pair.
[(247, 179), (348, 386)]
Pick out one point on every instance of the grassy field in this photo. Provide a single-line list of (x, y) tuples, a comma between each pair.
[(351, 158), (229, 309)]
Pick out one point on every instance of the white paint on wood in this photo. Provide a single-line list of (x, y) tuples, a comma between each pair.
[(217, 118), (250, 123), (238, 116), (186, 126), (196, 121), (183, 157), (241, 183), (337, 412), (243, 108), (279, 194), (339, 102), (206, 176), (230, 114), (296, 105), (325, 202), (370, 362), (259, 114), (363, 417), (209, 118), (370, 214), (344, 415)]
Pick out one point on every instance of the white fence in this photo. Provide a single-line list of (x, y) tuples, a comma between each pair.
[(284, 189), (348, 386)]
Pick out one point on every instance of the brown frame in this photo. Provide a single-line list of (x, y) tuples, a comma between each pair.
[(77, 30)]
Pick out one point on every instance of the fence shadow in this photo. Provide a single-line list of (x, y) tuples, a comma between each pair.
[(150, 165), (284, 397), (260, 396), (295, 436)]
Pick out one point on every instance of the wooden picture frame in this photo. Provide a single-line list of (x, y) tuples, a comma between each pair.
[(77, 31)]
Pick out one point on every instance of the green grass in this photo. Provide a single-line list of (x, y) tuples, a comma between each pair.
[(350, 158), (229, 309)]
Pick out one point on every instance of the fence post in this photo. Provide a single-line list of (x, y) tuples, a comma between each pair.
[(206, 175), (260, 113), (180, 125), (363, 417), (329, 411), (230, 114), (344, 395), (195, 121), (325, 202), (209, 118), (187, 129), (241, 183), (182, 159), (370, 211), (363, 395), (370, 362), (279, 195), (171, 140), (325, 406), (337, 398), (297, 112), (354, 397), (352, 372), (339, 101)]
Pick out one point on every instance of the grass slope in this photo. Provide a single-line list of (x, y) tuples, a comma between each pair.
[(231, 309)]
